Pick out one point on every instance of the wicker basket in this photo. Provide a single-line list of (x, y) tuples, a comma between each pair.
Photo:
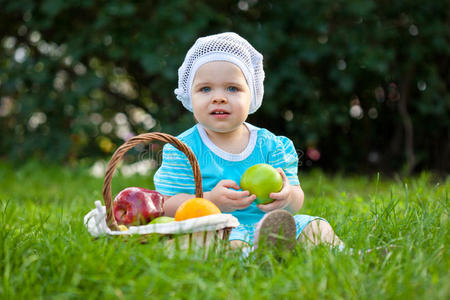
[(196, 239)]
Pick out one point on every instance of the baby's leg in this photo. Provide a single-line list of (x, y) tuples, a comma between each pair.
[(239, 237), (235, 244), (319, 231)]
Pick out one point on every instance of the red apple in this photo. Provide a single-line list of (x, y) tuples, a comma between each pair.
[(137, 206)]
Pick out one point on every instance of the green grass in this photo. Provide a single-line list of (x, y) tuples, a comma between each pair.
[(47, 253)]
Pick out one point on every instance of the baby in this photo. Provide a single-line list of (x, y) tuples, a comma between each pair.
[(221, 82)]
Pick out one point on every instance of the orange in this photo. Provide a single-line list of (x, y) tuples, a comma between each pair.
[(194, 208)]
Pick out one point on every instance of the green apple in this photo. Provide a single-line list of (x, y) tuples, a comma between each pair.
[(162, 219), (261, 180)]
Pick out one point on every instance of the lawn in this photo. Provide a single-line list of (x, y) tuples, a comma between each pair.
[(47, 253)]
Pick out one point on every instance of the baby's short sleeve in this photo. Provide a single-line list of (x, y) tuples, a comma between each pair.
[(175, 175), (285, 156)]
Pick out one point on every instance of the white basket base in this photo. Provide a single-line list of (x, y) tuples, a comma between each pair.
[(95, 222)]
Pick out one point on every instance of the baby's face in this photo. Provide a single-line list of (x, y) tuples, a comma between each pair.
[(220, 96)]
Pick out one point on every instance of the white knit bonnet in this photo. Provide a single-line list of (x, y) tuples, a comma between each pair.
[(229, 47)]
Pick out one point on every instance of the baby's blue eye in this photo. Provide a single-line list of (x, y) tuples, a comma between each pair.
[(205, 89), (232, 89)]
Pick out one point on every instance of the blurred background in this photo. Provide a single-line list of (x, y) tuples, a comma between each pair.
[(360, 86)]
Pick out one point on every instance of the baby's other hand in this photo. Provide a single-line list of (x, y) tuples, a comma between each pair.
[(282, 198), (227, 199)]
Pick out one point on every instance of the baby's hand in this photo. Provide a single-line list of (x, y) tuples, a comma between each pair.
[(282, 198), (228, 200)]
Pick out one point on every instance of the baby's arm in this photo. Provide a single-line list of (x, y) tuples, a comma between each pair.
[(225, 198), (171, 203)]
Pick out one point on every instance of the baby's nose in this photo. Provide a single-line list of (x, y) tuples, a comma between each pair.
[(219, 100)]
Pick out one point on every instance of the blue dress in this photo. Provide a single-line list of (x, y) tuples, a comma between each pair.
[(175, 175)]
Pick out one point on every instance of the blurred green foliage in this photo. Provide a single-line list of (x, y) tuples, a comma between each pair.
[(362, 83)]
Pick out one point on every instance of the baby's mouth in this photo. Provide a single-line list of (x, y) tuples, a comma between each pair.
[(219, 112)]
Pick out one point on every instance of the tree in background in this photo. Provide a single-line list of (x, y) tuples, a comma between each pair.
[(358, 85)]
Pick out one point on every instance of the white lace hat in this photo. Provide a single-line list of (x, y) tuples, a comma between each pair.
[(227, 46)]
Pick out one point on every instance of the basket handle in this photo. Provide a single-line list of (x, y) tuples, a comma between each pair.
[(143, 138)]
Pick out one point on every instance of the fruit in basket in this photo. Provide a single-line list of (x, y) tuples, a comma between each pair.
[(137, 206), (162, 220), (123, 228), (261, 180), (194, 208)]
